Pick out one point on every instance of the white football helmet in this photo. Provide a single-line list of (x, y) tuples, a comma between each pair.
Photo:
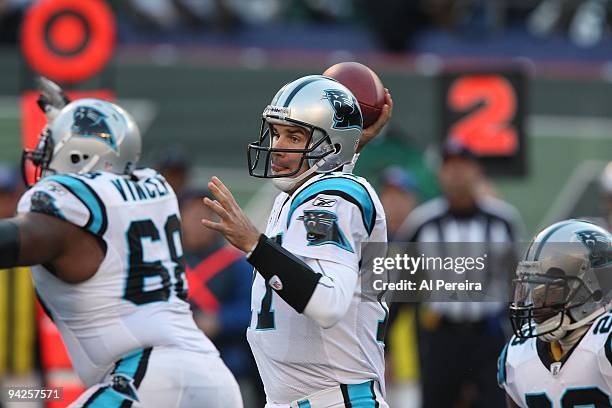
[(86, 135), (564, 281), (331, 114)]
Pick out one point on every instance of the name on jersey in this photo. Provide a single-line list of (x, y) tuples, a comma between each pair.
[(148, 189)]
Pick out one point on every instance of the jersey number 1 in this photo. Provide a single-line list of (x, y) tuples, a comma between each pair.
[(140, 270), (265, 316)]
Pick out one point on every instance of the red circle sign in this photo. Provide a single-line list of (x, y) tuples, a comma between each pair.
[(67, 33), (68, 40)]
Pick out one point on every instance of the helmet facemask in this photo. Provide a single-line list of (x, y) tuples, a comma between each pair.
[(36, 161), (543, 301), (260, 152)]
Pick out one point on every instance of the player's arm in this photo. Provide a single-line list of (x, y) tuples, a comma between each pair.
[(31, 239), (294, 280), (35, 238), (372, 131), (320, 289)]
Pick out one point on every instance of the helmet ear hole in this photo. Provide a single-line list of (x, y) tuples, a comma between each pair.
[(337, 148), (597, 295), (555, 273), (75, 158)]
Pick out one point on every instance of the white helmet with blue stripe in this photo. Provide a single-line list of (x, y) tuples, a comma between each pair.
[(87, 135), (564, 281), (330, 113)]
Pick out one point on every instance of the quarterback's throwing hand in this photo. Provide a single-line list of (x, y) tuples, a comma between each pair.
[(233, 223), (374, 129)]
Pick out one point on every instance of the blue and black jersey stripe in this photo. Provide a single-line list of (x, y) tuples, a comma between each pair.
[(133, 366), (105, 397), (98, 222), (344, 187), (359, 395)]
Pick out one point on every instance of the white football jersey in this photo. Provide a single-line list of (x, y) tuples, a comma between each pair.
[(295, 356), (136, 298), (583, 377)]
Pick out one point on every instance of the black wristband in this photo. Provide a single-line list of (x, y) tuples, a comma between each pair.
[(292, 279), (9, 244)]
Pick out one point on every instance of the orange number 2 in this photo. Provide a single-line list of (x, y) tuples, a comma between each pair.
[(487, 131)]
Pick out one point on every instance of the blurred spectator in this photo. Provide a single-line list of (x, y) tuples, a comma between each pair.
[(585, 20), (254, 11), (10, 190), (11, 14), (219, 279), (173, 163), (221, 14), (18, 361), (398, 194), (160, 14), (470, 332), (394, 22)]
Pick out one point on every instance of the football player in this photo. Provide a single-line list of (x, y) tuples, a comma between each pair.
[(316, 342), (561, 354), (104, 239)]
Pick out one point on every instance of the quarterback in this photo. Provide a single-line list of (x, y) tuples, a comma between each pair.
[(561, 354), (105, 241), (316, 343)]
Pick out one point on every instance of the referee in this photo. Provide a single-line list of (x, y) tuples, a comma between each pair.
[(459, 341)]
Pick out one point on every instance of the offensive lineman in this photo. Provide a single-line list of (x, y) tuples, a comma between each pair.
[(561, 354), (105, 239), (316, 343)]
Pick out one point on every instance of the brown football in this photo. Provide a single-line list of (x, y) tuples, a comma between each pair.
[(364, 84)]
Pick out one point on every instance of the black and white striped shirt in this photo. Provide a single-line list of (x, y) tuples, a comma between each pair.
[(491, 221)]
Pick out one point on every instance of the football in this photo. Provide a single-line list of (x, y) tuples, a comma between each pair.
[(364, 84)]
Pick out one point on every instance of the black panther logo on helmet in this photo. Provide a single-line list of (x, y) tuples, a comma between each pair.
[(346, 110), (89, 122), (599, 246)]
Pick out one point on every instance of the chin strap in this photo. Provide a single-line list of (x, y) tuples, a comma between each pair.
[(287, 184), (566, 326), (589, 318), (550, 324)]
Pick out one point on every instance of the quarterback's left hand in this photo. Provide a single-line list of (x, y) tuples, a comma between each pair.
[(233, 224)]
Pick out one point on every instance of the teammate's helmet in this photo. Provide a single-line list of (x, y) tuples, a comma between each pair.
[(564, 281), (87, 135), (323, 106)]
